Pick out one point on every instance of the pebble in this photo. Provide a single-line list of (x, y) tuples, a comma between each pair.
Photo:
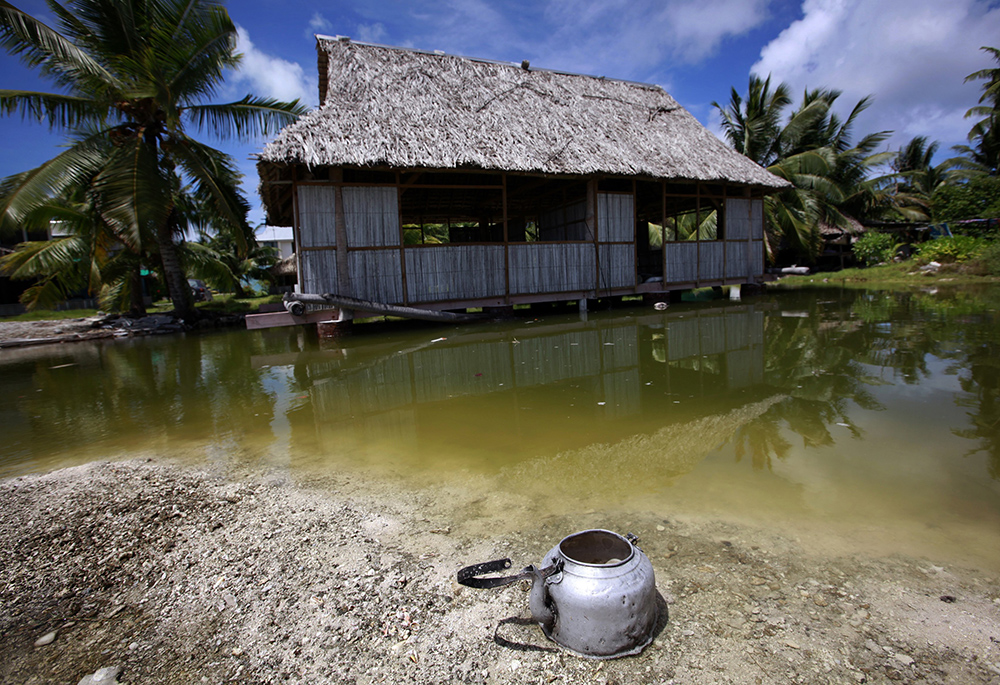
[(46, 639), (903, 659), (103, 676), (661, 528)]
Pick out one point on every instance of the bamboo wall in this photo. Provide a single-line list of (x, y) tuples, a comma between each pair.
[(382, 270), (551, 268), (454, 272)]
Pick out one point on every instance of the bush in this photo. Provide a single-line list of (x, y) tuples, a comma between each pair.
[(874, 248), (977, 198), (959, 248), (989, 259)]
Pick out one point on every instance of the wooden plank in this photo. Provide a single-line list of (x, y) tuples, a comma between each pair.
[(278, 319)]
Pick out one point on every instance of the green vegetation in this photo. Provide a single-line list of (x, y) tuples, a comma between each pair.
[(875, 248), (222, 303), (225, 303), (977, 198), (52, 315), (963, 259), (951, 249), (837, 181), (129, 76)]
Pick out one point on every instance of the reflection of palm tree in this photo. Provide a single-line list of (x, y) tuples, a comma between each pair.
[(981, 383), (762, 439)]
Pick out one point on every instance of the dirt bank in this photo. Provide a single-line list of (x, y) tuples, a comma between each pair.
[(32, 333), (183, 576)]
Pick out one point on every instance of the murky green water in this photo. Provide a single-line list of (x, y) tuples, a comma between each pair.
[(863, 421)]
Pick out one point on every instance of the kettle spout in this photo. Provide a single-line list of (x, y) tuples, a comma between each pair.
[(539, 601)]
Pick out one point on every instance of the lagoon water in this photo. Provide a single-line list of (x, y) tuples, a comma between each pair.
[(850, 421)]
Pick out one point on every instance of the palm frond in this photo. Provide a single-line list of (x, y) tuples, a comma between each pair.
[(58, 111), (44, 48), (246, 118)]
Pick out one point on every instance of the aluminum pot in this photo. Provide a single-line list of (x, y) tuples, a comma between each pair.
[(594, 595)]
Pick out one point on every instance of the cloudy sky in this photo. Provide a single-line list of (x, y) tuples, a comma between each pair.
[(911, 55)]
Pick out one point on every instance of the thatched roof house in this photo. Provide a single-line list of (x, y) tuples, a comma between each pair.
[(444, 150)]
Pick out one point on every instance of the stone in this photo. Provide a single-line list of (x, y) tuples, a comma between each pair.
[(903, 659), (46, 639), (103, 676)]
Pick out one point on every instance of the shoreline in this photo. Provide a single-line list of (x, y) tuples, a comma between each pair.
[(178, 574), (20, 334)]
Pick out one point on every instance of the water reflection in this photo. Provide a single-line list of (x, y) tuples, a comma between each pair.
[(762, 378)]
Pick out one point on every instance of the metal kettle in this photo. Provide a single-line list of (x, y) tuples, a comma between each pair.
[(594, 595)]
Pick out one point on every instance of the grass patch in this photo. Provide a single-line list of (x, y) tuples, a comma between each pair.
[(51, 315), (900, 274), (223, 303)]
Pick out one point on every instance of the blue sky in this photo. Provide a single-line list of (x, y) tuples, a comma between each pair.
[(910, 55)]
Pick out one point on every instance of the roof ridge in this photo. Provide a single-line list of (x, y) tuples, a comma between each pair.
[(484, 60)]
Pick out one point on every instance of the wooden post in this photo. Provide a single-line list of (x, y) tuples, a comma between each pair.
[(590, 218), (340, 231), (506, 243), (663, 231)]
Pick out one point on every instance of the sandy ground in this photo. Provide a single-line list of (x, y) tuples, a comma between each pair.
[(22, 333), (177, 575)]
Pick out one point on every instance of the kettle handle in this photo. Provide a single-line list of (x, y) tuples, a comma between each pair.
[(468, 576)]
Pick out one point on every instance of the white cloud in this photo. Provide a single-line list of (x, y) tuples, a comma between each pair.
[(319, 23), (372, 33), (911, 55), (618, 38), (270, 76)]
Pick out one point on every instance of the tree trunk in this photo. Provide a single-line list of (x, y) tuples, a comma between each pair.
[(173, 274), (137, 305)]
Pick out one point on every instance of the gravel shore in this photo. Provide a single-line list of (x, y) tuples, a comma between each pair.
[(178, 575)]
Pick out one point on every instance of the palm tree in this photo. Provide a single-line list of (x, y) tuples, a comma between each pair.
[(133, 73), (982, 155), (812, 150), (219, 262)]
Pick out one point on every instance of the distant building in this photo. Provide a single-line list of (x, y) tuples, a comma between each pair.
[(278, 237)]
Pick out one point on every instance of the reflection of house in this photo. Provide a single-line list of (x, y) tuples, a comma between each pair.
[(442, 182), (571, 374)]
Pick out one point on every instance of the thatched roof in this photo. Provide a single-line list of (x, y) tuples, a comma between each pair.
[(828, 230), (402, 108), (285, 267)]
